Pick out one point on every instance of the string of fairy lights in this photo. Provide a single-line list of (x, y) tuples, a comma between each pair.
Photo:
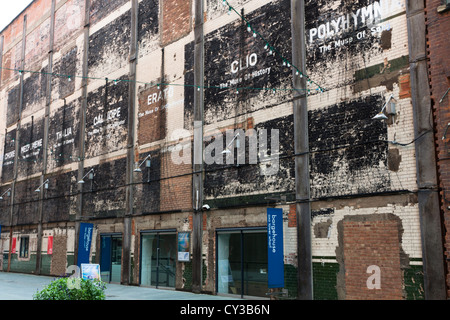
[(271, 50)]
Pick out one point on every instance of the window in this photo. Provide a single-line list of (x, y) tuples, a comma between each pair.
[(242, 262), (24, 245)]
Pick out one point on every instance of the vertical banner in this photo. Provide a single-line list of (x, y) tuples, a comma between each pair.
[(13, 245), (84, 243), (275, 254), (50, 245)]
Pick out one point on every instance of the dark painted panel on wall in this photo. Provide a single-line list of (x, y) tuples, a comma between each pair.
[(107, 119), (104, 196), (147, 196), (347, 149), (101, 8), (109, 47), (60, 199), (64, 130), (34, 92), (66, 66), (5, 205), (31, 147), (348, 155), (232, 179), (12, 110), (148, 26), (9, 156), (236, 59), (26, 201)]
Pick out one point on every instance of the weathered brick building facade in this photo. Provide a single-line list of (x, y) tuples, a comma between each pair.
[(438, 22), (127, 96)]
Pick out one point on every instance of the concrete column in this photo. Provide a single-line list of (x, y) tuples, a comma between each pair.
[(127, 232), (81, 151), (16, 157), (45, 142), (197, 178), (428, 194), (301, 144)]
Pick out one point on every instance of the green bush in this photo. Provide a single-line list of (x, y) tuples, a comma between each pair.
[(72, 289)]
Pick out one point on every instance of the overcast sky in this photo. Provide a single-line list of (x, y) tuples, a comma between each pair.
[(9, 9)]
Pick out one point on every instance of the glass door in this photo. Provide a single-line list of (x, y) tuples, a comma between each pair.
[(242, 262), (158, 259), (111, 258)]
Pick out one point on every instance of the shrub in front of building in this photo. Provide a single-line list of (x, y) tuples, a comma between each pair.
[(72, 289)]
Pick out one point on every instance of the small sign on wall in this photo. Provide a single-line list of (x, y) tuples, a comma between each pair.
[(183, 246), (50, 245)]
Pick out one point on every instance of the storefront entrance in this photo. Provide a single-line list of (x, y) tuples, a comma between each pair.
[(158, 259), (242, 262), (111, 257)]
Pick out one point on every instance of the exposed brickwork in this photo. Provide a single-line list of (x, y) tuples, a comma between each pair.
[(350, 157), (438, 48), (176, 20), (372, 243), (292, 216), (176, 193), (152, 115), (59, 255)]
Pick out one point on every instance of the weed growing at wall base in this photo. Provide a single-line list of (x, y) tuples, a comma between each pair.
[(60, 290)]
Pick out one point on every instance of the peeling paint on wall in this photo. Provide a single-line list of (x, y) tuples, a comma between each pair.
[(107, 119), (63, 137)]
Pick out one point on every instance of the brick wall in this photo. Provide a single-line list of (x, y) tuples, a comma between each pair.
[(372, 243), (176, 192), (176, 21), (438, 48)]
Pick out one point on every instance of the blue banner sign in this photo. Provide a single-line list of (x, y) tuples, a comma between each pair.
[(84, 243), (275, 248)]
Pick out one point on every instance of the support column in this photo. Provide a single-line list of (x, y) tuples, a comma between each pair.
[(81, 151), (127, 232), (301, 143), (428, 193), (45, 142), (16, 156), (197, 178)]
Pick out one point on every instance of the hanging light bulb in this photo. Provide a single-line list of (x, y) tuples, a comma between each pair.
[(249, 28)]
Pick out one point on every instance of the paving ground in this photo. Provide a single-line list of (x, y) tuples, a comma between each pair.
[(16, 286)]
